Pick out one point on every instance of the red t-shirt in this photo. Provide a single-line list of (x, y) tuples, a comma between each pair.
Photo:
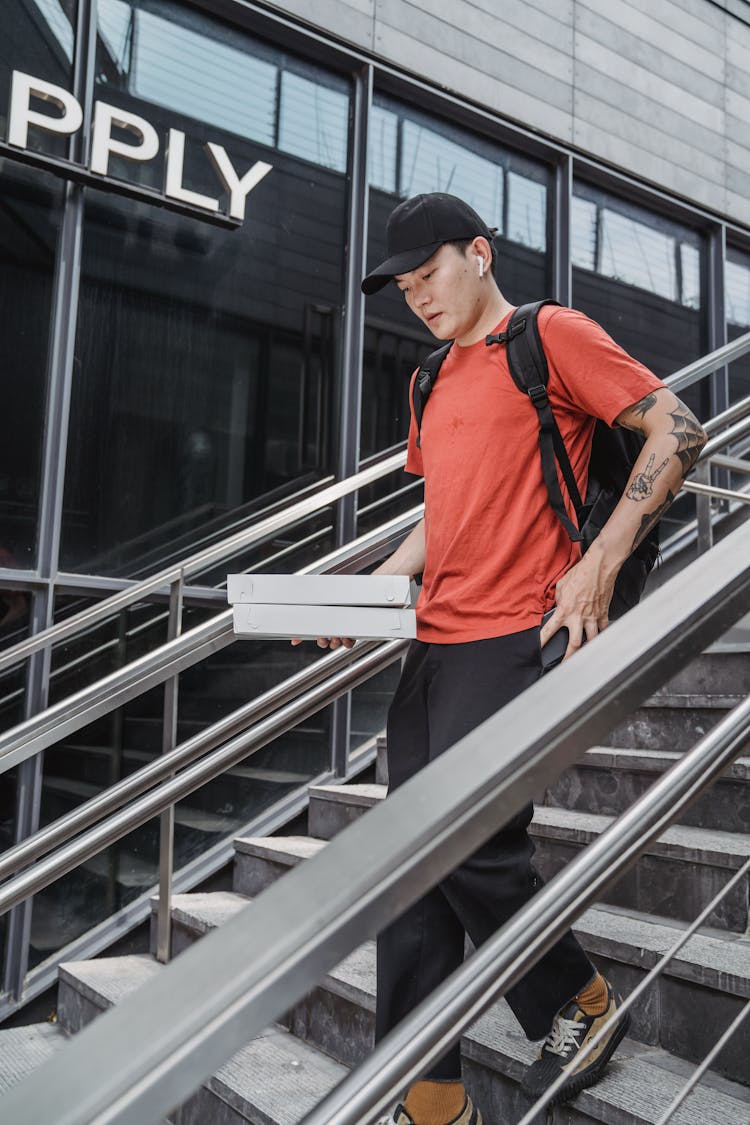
[(494, 547)]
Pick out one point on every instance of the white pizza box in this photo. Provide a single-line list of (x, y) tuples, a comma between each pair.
[(308, 621), (320, 589)]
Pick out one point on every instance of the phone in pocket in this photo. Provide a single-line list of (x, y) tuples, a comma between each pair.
[(555, 648)]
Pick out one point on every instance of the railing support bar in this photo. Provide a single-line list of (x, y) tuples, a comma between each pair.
[(166, 821), (703, 507)]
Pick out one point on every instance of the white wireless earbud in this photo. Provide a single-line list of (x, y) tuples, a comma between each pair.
[(480, 263)]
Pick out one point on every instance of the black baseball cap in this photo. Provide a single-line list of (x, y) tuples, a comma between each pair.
[(417, 228)]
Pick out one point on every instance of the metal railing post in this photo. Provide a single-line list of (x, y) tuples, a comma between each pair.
[(166, 820), (703, 504)]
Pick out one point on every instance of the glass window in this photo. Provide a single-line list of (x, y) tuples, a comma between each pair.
[(430, 161), (737, 297), (583, 233), (313, 121), (383, 148), (412, 152), (209, 73), (205, 358), (29, 215), (527, 212), (640, 276), (37, 39)]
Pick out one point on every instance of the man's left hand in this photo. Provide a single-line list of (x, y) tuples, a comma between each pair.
[(582, 596)]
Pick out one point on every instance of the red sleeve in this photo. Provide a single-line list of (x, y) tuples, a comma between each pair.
[(413, 453), (589, 372)]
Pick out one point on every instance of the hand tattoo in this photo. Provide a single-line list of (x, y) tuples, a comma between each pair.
[(688, 433), (642, 484)]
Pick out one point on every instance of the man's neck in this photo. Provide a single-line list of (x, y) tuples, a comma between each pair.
[(496, 309)]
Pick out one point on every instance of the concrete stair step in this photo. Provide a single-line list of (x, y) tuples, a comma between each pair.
[(672, 722), (713, 673), (675, 877), (700, 992), (275, 1080), (23, 1049), (259, 860), (338, 1017), (333, 807), (638, 1087), (608, 780), (381, 761), (710, 974)]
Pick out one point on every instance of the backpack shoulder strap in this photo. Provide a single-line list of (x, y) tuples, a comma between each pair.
[(426, 376), (529, 371)]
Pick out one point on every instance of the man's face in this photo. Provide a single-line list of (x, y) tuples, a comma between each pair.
[(446, 293)]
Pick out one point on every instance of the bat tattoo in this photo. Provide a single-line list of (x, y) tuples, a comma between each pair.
[(642, 408)]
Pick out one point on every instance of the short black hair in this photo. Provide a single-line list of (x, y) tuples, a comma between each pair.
[(463, 244)]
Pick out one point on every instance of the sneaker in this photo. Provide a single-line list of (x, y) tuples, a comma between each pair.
[(468, 1116), (573, 1029)]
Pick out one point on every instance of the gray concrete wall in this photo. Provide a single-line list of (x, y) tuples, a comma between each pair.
[(660, 88)]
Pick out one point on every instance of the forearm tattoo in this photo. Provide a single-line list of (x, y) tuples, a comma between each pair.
[(642, 408), (642, 484), (690, 438), (688, 433), (648, 521)]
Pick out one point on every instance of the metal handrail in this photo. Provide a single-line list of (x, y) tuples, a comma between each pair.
[(716, 491), (736, 410), (163, 767), (119, 687), (727, 437), (339, 676), (203, 560), (501, 962), (145, 1056), (709, 363)]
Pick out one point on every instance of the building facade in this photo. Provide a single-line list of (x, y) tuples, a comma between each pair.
[(189, 194)]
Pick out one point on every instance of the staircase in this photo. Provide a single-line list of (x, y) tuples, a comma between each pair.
[(279, 1077)]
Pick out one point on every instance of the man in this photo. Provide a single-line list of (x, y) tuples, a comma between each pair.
[(494, 559)]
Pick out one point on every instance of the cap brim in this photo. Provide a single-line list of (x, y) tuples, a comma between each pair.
[(404, 262)]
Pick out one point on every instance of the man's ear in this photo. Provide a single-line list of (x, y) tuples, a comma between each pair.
[(480, 248)]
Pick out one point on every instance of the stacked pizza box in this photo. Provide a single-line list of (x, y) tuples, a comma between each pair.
[(362, 606)]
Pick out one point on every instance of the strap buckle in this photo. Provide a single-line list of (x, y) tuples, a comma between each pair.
[(538, 395), (503, 337), (424, 381)]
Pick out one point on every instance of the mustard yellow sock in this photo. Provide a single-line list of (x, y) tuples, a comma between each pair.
[(435, 1103), (593, 999)]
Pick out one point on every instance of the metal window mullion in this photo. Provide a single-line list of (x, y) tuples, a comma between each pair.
[(59, 380), (349, 421), (718, 385), (717, 325), (562, 202)]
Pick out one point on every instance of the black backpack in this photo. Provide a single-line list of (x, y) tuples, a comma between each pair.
[(613, 451)]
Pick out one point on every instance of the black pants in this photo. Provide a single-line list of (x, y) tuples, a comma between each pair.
[(446, 691)]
